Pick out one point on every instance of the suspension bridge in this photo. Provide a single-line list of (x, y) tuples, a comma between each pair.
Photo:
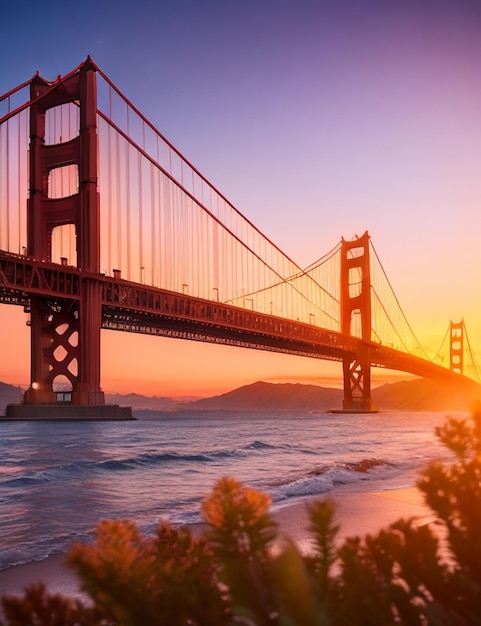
[(105, 225)]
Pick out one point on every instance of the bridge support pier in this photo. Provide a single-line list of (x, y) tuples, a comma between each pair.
[(54, 348), (357, 385), (356, 320)]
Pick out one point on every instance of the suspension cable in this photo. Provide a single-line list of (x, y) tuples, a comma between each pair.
[(397, 302)]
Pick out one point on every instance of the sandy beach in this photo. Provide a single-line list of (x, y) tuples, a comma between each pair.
[(357, 513)]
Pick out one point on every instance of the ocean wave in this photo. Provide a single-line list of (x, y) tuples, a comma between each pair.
[(360, 467), (30, 478), (150, 459), (59, 482), (19, 482), (324, 478), (259, 445), (20, 553), (83, 466), (164, 457), (285, 447)]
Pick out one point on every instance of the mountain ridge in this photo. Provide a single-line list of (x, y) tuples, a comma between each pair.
[(407, 395)]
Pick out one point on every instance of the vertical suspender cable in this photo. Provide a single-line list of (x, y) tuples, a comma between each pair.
[(160, 243), (109, 174), (183, 226), (230, 254), (109, 201), (62, 173), (471, 354), (156, 240), (140, 209), (127, 179), (169, 242), (253, 262), (27, 172), (201, 262), (195, 244), (2, 187), (7, 182), (152, 225), (216, 248), (19, 167), (192, 227), (166, 239), (118, 201), (176, 241), (174, 282)]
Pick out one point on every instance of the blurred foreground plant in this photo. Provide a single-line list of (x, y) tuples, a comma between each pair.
[(240, 571)]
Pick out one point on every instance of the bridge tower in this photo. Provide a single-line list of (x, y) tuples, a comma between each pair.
[(456, 347), (65, 334), (356, 316)]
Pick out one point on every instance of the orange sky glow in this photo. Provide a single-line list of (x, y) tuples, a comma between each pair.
[(317, 120), (171, 367)]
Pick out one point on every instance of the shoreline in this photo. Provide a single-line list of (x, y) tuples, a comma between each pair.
[(357, 513)]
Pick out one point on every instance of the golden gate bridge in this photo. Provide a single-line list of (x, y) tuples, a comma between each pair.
[(104, 224)]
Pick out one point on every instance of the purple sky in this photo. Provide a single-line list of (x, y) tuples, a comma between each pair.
[(317, 119)]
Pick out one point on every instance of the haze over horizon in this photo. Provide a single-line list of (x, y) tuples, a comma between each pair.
[(317, 120)]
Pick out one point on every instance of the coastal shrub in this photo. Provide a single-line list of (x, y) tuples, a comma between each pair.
[(239, 570), (39, 608)]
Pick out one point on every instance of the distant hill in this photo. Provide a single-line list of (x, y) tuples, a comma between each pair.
[(409, 395), (412, 395), (423, 395), (146, 403), (269, 396), (9, 394)]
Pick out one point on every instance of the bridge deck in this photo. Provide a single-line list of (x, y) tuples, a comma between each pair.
[(133, 307)]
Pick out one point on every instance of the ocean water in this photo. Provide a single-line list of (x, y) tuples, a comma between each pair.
[(58, 479)]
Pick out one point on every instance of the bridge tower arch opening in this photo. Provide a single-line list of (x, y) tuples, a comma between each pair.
[(63, 387), (64, 199), (64, 249), (356, 321)]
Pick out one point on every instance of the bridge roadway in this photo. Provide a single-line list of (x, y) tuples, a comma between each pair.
[(134, 307)]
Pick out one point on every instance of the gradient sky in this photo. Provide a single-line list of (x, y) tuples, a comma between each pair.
[(317, 119)]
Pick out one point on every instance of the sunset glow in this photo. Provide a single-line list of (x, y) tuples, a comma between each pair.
[(316, 120)]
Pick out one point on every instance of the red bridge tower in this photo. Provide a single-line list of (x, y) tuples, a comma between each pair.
[(356, 320), (456, 347), (65, 333)]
